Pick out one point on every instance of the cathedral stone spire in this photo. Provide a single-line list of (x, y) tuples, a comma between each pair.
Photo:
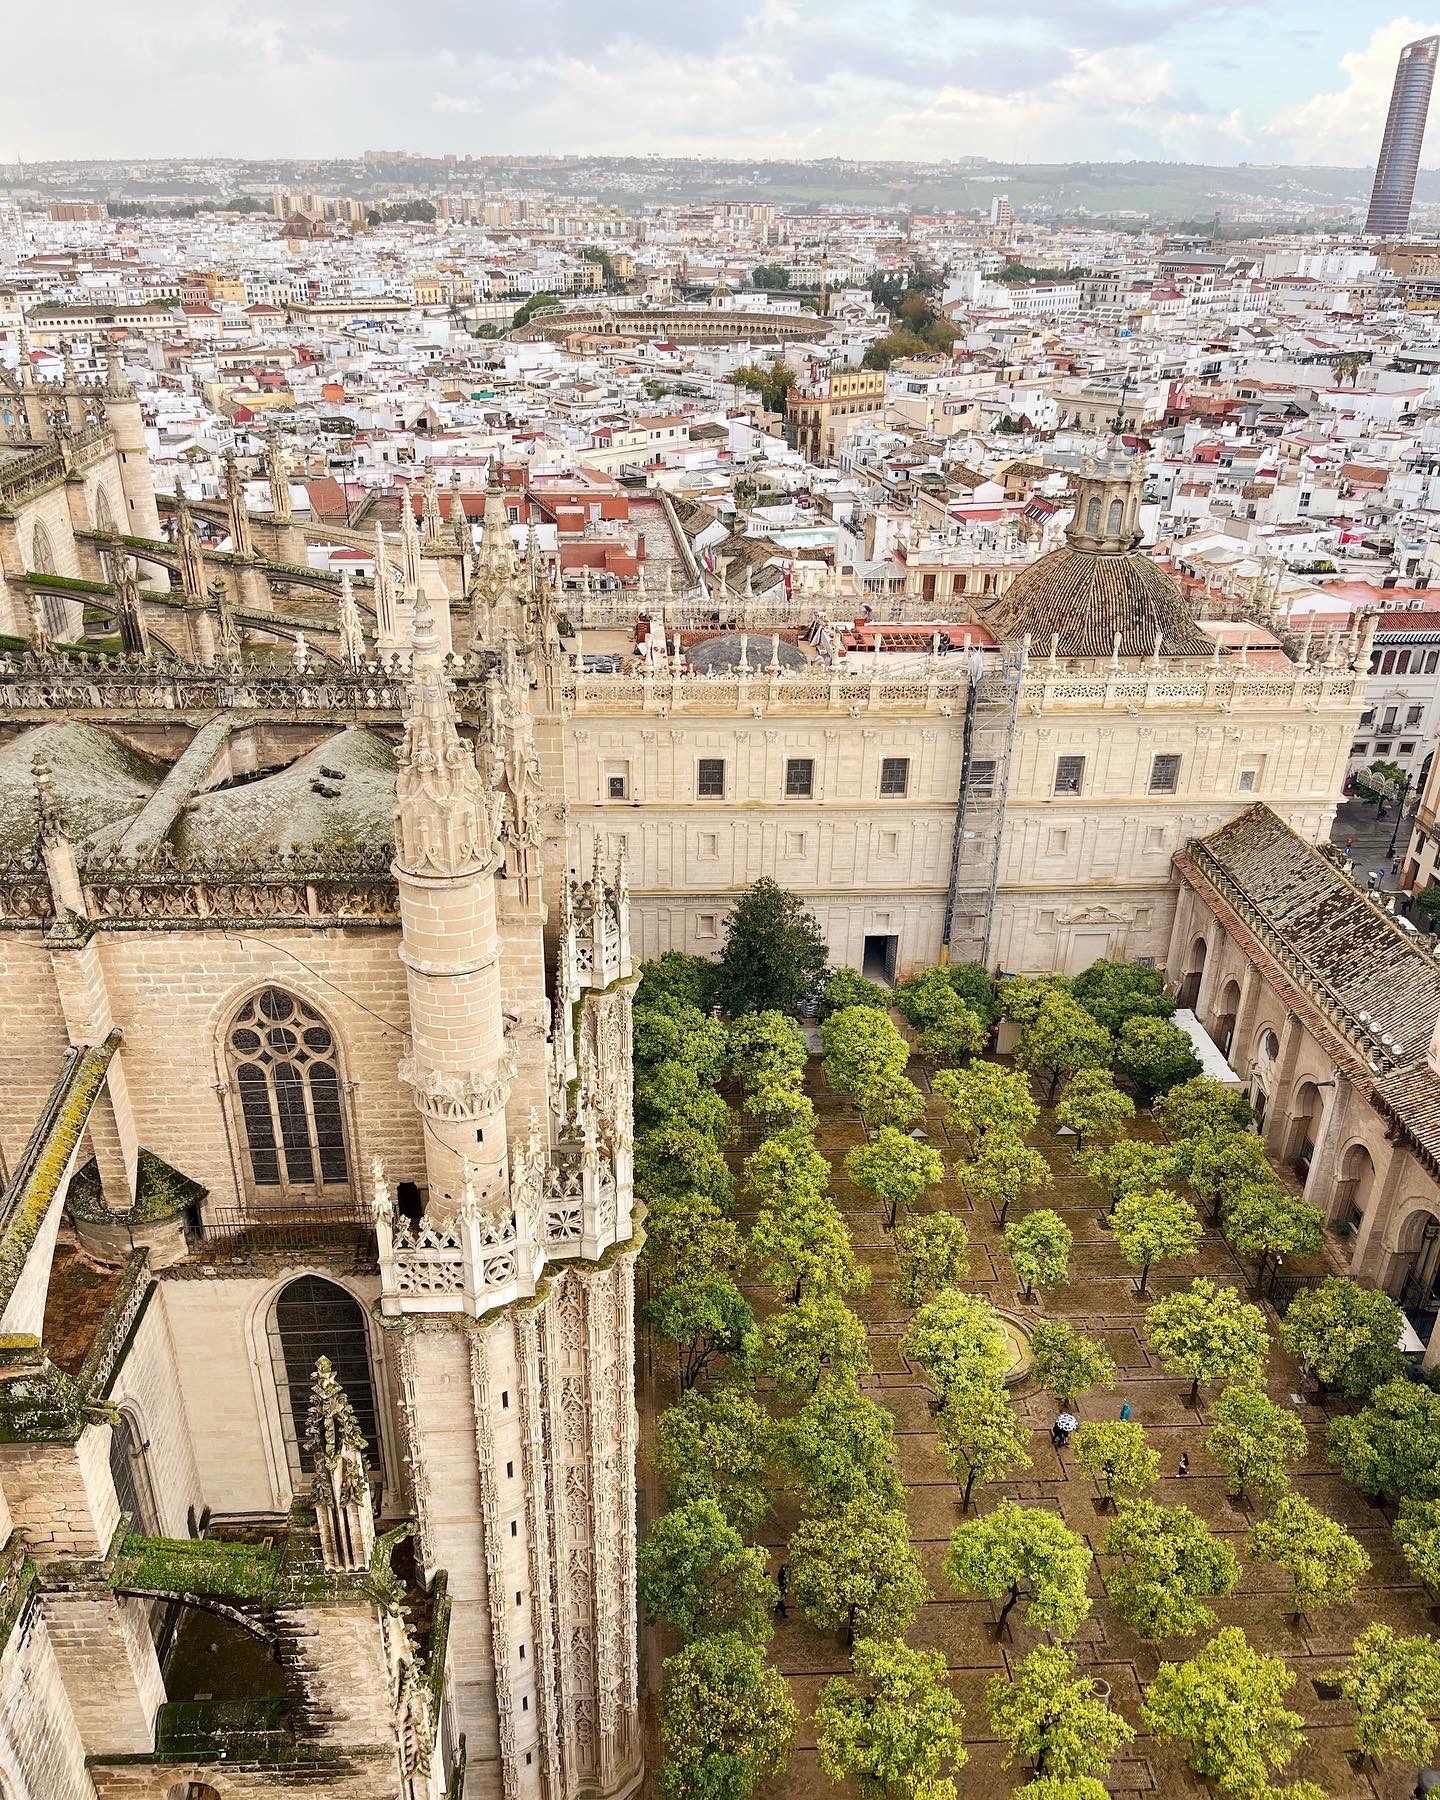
[(459, 524), (344, 1514), (278, 476), (240, 543), (495, 580), (443, 820), (409, 547), (433, 520), (352, 637), (387, 624), (187, 544)]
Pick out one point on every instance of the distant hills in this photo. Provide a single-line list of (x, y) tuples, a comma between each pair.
[(1162, 192)]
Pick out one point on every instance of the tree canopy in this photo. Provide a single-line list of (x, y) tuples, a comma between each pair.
[(1393, 1446), (1347, 1335), (1002, 1169), (1047, 1713), (1227, 1703), (1115, 992), (1170, 1564), (696, 1574), (1062, 1038), (1201, 1107), (931, 1252), (1067, 1364), (1093, 1107), (1154, 1227), (840, 1446), (800, 1343), (765, 1048), (1325, 1562), (1394, 1685), (726, 1720), (774, 955), (895, 1169), (862, 1047), (892, 1724), (983, 1437), (1023, 1553), (1116, 1454), (956, 1340), (1039, 1247), (1208, 1333), (852, 1569), (718, 1444), (1154, 1055), (1254, 1441), (984, 1097)]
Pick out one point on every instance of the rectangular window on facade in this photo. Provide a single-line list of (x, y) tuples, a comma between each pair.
[(1057, 843), (1155, 838), (1384, 749), (799, 778), (1069, 774), (1407, 749), (708, 843), (1413, 715), (982, 780), (1165, 774), (1367, 717), (889, 843), (1432, 661), (705, 926), (895, 776), (1360, 749), (710, 778), (615, 787), (1248, 779), (1388, 718), (794, 843)]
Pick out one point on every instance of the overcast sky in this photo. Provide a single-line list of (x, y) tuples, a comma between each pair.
[(1185, 80)]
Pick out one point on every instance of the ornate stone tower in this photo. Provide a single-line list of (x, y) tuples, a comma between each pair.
[(511, 1303), (496, 588), (446, 852)]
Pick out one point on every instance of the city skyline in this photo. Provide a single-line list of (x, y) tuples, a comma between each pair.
[(1187, 80)]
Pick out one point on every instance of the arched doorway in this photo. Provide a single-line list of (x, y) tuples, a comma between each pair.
[(1415, 1270), (1223, 1028), (193, 1790), (314, 1318), (284, 1068), (1354, 1187), (1302, 1127), (1189, 991)]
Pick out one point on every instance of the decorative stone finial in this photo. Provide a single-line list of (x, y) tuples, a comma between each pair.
[(344, 1514)]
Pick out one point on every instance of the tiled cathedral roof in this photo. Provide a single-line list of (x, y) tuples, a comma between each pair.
[(1089, 598)]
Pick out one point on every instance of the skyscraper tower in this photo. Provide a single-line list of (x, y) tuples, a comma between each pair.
[(1394, 189)]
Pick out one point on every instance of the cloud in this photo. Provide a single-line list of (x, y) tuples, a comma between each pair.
[(1346, 126)]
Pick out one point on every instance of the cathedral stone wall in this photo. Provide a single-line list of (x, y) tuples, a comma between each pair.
[(41, 1753), (150, 1390), (219, 1323), (173, 993)]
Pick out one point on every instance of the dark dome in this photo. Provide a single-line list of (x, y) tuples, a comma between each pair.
[(723, 652), (1090, 596)]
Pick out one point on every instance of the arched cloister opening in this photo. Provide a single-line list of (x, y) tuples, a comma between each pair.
[(1227, 1009), (1189, 991), (284, 1067), (1414, 1275), (313, 1317), (1302, 1126), (1354, 1187)]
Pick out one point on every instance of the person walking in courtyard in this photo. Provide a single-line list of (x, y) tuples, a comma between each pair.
[(782, 1587), (1125, 1411), (1184, 1468)]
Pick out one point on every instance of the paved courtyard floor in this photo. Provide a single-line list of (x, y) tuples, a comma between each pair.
[(1101, 1301)]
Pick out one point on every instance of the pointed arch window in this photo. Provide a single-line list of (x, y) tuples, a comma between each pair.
[(104, 517), (1117, 515), (42, 554), (1092, 515), (314, 1318), (285, 1069)]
